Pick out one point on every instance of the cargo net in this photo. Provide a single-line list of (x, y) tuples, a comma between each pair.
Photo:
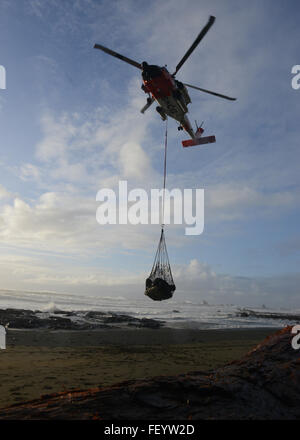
[(160, 284)]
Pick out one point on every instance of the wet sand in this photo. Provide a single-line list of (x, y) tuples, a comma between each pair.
[(38, 362)]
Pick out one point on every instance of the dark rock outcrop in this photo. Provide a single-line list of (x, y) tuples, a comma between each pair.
[(264, 384), (284, 316), (64, 320)]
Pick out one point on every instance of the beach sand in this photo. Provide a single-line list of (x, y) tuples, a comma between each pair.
[(38, 362)]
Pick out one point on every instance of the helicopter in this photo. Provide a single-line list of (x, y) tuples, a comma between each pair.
[(171, 95)]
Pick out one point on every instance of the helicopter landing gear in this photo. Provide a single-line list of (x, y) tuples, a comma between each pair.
[(162, 113)]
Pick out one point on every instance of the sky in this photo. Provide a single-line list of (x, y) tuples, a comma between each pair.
[(70, 124)]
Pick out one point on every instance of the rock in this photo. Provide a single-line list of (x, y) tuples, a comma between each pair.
[(243, 314), (94, 314), (150, 323), (118, 319), (264, 384), (27, 319), (146, 323), (269, 315), (62, 312)]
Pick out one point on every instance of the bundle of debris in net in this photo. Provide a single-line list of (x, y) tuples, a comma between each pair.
[(160, 284)]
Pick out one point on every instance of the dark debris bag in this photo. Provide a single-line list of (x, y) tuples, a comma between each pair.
[(160, 284)]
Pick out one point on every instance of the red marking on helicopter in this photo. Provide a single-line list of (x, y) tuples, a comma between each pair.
[(159, 86)]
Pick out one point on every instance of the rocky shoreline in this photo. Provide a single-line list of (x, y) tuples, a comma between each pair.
[(67, 320), (24, 319), (248, 313)]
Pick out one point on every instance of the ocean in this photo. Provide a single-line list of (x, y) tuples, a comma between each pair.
[(176, 313)]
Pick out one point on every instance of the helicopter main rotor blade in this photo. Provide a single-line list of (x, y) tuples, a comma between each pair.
[(196, 42), (211, 93), (117, 55)]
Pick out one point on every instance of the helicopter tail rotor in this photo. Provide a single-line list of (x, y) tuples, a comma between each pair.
[(198, 139)]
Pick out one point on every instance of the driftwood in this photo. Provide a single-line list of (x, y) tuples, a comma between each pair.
[(264, 384)]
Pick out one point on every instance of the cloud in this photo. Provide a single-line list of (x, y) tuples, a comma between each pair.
[(235, 201), (57, 135), (63, 222), (195, 281), (87, 149), (32, 272), (29, 171), (4, 194), (198, 281), (134, 162)]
